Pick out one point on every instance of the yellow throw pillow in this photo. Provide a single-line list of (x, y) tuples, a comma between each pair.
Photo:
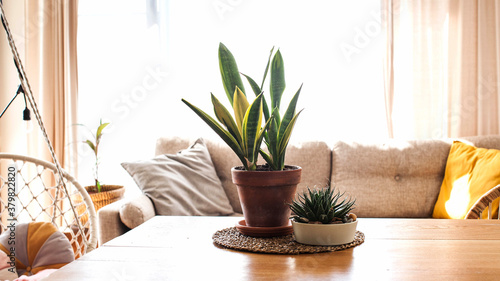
[(470, 172)]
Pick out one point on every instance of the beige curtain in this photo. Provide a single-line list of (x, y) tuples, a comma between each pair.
[(442, 67), (46, 38)]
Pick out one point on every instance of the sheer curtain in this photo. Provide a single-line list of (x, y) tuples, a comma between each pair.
[(45, 34), (334, 47), (442, 68)]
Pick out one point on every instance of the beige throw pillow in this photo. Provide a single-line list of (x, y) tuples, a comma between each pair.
[(182, 184)]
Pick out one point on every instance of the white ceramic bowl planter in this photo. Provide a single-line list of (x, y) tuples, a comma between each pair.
[(324, 234)]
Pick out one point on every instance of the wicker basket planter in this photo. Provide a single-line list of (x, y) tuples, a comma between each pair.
[(108, 195)]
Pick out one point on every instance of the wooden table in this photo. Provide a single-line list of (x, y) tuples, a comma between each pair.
[(181, 248)]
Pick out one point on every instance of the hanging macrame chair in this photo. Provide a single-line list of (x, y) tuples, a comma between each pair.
[(35, 190)]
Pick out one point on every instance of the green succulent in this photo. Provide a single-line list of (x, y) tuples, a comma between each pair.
[(244, 133), (321, 206)]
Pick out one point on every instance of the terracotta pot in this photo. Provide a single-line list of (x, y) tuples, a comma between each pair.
[(265, 195)]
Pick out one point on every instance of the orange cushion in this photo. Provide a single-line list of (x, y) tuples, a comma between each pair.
[(470, 172)]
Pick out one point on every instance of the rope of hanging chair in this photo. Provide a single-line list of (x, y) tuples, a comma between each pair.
[(26, 86)]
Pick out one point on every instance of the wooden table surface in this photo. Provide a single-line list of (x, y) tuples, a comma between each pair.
[(181, 248)]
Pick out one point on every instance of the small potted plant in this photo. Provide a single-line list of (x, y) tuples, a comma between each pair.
[(323, 217), (101, 194), (264, 190)]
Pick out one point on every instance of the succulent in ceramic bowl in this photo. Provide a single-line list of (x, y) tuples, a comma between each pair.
[(323, 217)]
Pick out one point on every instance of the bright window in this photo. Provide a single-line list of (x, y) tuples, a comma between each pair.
[(137, 59)]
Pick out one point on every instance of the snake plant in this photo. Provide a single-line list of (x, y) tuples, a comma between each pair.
[(244, 133), (279, 132), (322, 206)]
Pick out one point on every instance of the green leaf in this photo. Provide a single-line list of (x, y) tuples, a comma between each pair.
[(224, 134), (255, 88), (285, 138), (99, 132), (229, 72), (277, 85), (266, 158), (257, 91), (91, 144), (226, 119), (272, 134), (290, 113), (100, 128), (267, 67), (260, 138), (252, 123), (240, 106)]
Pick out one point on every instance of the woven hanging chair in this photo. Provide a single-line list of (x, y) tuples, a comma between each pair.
[(40, 196), (43, 191), (488, 203)]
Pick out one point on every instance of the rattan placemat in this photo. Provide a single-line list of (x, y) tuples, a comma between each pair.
[(233, 239)]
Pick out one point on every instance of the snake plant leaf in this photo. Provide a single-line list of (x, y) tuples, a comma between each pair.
[(267, 158), (277, 84), (259, 139), (257, 91), (226, 119), (285, 138), (240, 106), (229, 72), (252, 123), (273, 135), (219, 130), (273, 132), (267, 67), (255, 87), (289, 113)]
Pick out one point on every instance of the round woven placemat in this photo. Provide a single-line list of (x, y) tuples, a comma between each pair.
[(233, 239)]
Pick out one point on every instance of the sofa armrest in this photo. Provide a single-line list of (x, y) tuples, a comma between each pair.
[(110, 223), (119, 217), (135, 211)]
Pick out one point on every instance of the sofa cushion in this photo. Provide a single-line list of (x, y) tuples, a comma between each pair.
[(315, 158), (390, 179), (182, 184), (470, 173), (223, 159), (396, 178)]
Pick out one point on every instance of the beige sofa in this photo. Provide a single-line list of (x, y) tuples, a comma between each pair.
[(389, 179)]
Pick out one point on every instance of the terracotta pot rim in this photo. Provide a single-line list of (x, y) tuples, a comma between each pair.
[(242, 169), (244, 178)]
